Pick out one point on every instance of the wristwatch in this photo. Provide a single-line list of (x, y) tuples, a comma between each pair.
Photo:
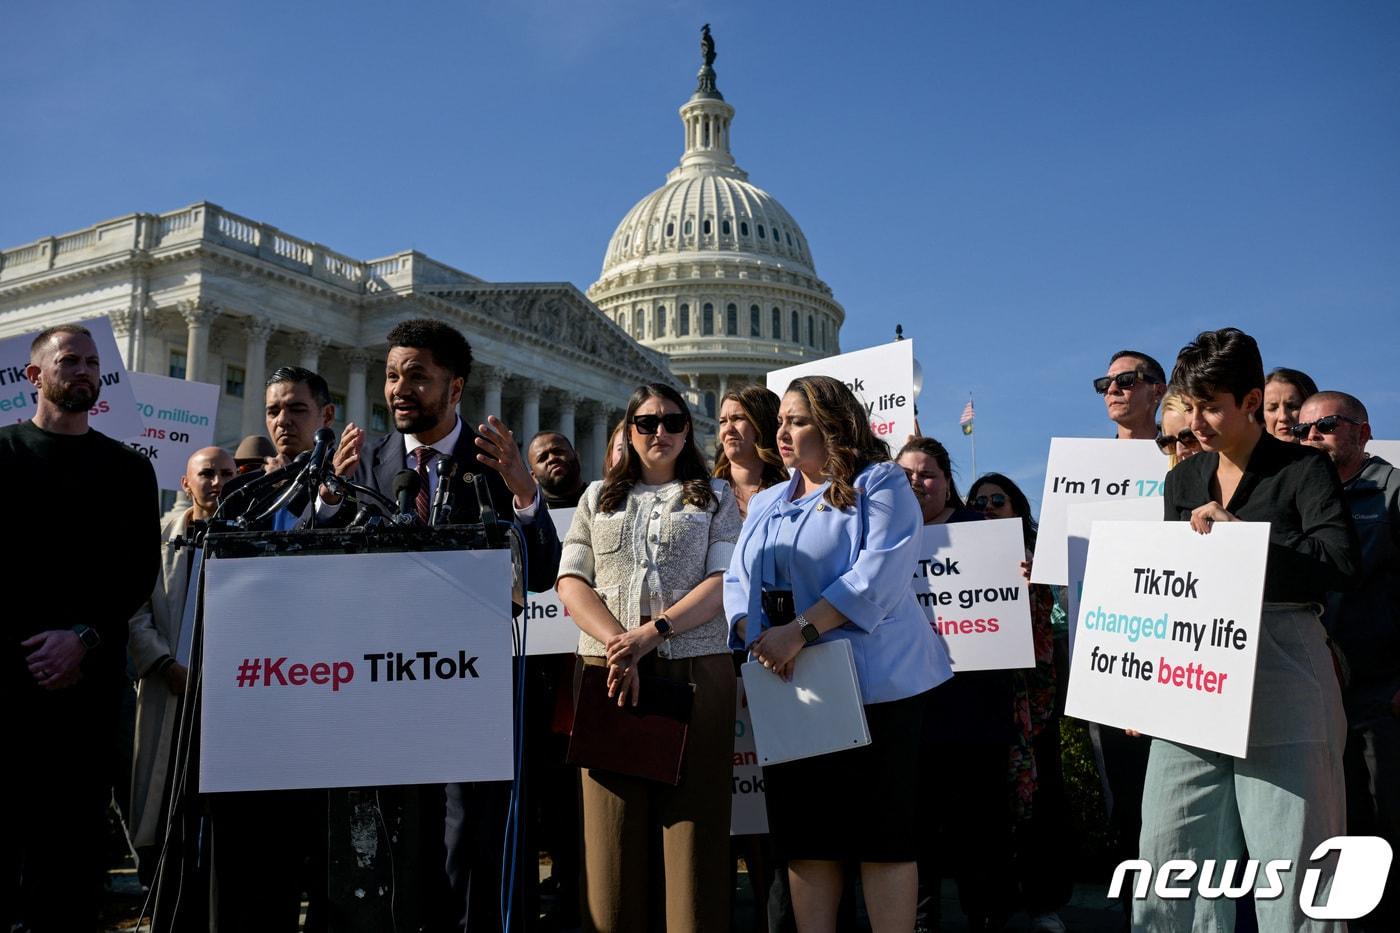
[(87, 635), (808, 630), (664, 627)]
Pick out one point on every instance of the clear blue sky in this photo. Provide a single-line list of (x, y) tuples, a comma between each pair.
[(1026, 187)]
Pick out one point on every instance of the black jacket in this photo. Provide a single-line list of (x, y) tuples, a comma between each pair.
[(1366, 622), (383, 459)]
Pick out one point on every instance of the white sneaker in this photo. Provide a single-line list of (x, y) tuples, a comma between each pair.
[(1047, 923)]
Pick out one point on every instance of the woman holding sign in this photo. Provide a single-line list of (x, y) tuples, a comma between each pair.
[(640, 574), (1286, 795), (830, 555)]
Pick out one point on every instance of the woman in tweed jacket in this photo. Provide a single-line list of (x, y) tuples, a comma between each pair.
[(641, 575)]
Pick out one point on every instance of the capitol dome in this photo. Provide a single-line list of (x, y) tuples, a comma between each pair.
[(711, 270)]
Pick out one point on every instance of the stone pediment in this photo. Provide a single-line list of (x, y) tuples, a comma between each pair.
[(560, 318)]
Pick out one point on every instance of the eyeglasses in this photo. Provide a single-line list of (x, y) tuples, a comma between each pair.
[(1123, 381), (1327, 425), (674, 423), (996, 500), (1186, 437)]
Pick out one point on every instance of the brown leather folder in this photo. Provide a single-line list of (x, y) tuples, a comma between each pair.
[(645, 741)]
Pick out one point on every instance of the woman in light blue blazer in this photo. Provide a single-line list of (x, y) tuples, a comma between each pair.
[(830, 555)]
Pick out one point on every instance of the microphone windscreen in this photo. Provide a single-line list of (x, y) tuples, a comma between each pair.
[(325, 436), (405, 483)]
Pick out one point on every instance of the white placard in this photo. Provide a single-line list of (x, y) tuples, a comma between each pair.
[(179, 419), (748, 813), (818, 712), (397, 670), (882, 378), (550, 628), (115, 413), (969, 583), (1169, 630), (1081, 469), (1389, 451), (1079, 519)]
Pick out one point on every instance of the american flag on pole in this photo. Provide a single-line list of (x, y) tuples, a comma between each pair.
[(966, 419)]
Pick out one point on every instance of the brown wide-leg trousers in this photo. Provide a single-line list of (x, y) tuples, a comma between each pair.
[(628, 822)]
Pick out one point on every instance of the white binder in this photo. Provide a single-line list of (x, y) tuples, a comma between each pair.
[(818, 712)]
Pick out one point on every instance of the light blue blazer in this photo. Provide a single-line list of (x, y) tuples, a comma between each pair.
[(862, 560)]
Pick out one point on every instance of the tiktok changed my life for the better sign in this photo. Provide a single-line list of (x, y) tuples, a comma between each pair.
[(1168, 631)]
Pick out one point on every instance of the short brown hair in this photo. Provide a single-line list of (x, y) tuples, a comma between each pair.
[(48, 333)]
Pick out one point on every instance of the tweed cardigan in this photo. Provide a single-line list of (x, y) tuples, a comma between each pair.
[(607, 551)]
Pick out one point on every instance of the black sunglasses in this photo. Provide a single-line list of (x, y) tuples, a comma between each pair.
[(674, 423), (1165, 442), (1327, 425), (996, 500), (1123, 380)]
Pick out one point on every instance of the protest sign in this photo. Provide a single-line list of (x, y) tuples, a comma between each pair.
[(179, 419), (374, 684), (1083, 469), (115, 413), (748, 814), (1389, 451), (549, 627), (1168, 631), (1079, 519), (969, 582), (882, 378)]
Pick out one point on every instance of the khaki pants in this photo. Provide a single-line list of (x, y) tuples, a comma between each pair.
[(628, 822)]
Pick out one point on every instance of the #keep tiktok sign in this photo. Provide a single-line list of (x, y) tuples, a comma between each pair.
[(1168, 631)]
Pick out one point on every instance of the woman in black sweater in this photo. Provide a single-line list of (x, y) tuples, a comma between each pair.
[(1286, 795)]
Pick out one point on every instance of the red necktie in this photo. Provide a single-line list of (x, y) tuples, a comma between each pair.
[(425, 454)]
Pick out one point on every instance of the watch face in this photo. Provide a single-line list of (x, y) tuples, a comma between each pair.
[(89, 638)]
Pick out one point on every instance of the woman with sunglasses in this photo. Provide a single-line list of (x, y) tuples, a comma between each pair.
[(967, 739), (1285, 391), (1286, 794), (829, 555), (641, 576), (1038, 793), (1176, 440), (748, 450)]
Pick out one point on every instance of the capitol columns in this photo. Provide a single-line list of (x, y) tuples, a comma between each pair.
[(568, 405), (357, 359), (256, 331), (310, 347), (493, 379), (127, 326), (530, 390), (199, 316), (597, 439)]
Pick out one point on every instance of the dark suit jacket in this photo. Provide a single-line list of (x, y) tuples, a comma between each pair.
[(382, 459)]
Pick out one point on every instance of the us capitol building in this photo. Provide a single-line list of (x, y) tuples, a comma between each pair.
[(708, 283)]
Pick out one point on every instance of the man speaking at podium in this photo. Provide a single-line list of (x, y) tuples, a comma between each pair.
[(424, 374)]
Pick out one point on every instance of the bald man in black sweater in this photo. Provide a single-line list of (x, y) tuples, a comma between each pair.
[(80, 553)]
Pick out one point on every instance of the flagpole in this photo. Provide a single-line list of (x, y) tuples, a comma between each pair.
[(973, 435)]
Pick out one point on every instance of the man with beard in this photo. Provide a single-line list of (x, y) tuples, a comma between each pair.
[(78, 507), (1365, 624), (154, 642), (554, 464), (426, 369)]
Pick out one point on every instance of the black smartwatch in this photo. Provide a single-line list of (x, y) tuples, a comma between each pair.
[(808, 630), (664, 627), (87, 635)]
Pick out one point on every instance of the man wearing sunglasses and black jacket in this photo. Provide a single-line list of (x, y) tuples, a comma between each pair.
[(1365, 624)]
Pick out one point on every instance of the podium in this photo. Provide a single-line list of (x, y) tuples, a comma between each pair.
[(374, 664)]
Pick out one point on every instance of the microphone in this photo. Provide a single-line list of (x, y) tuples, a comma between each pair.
[(267, 479), (324, 448), (485, 511), (406, 483), (441, 512)]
